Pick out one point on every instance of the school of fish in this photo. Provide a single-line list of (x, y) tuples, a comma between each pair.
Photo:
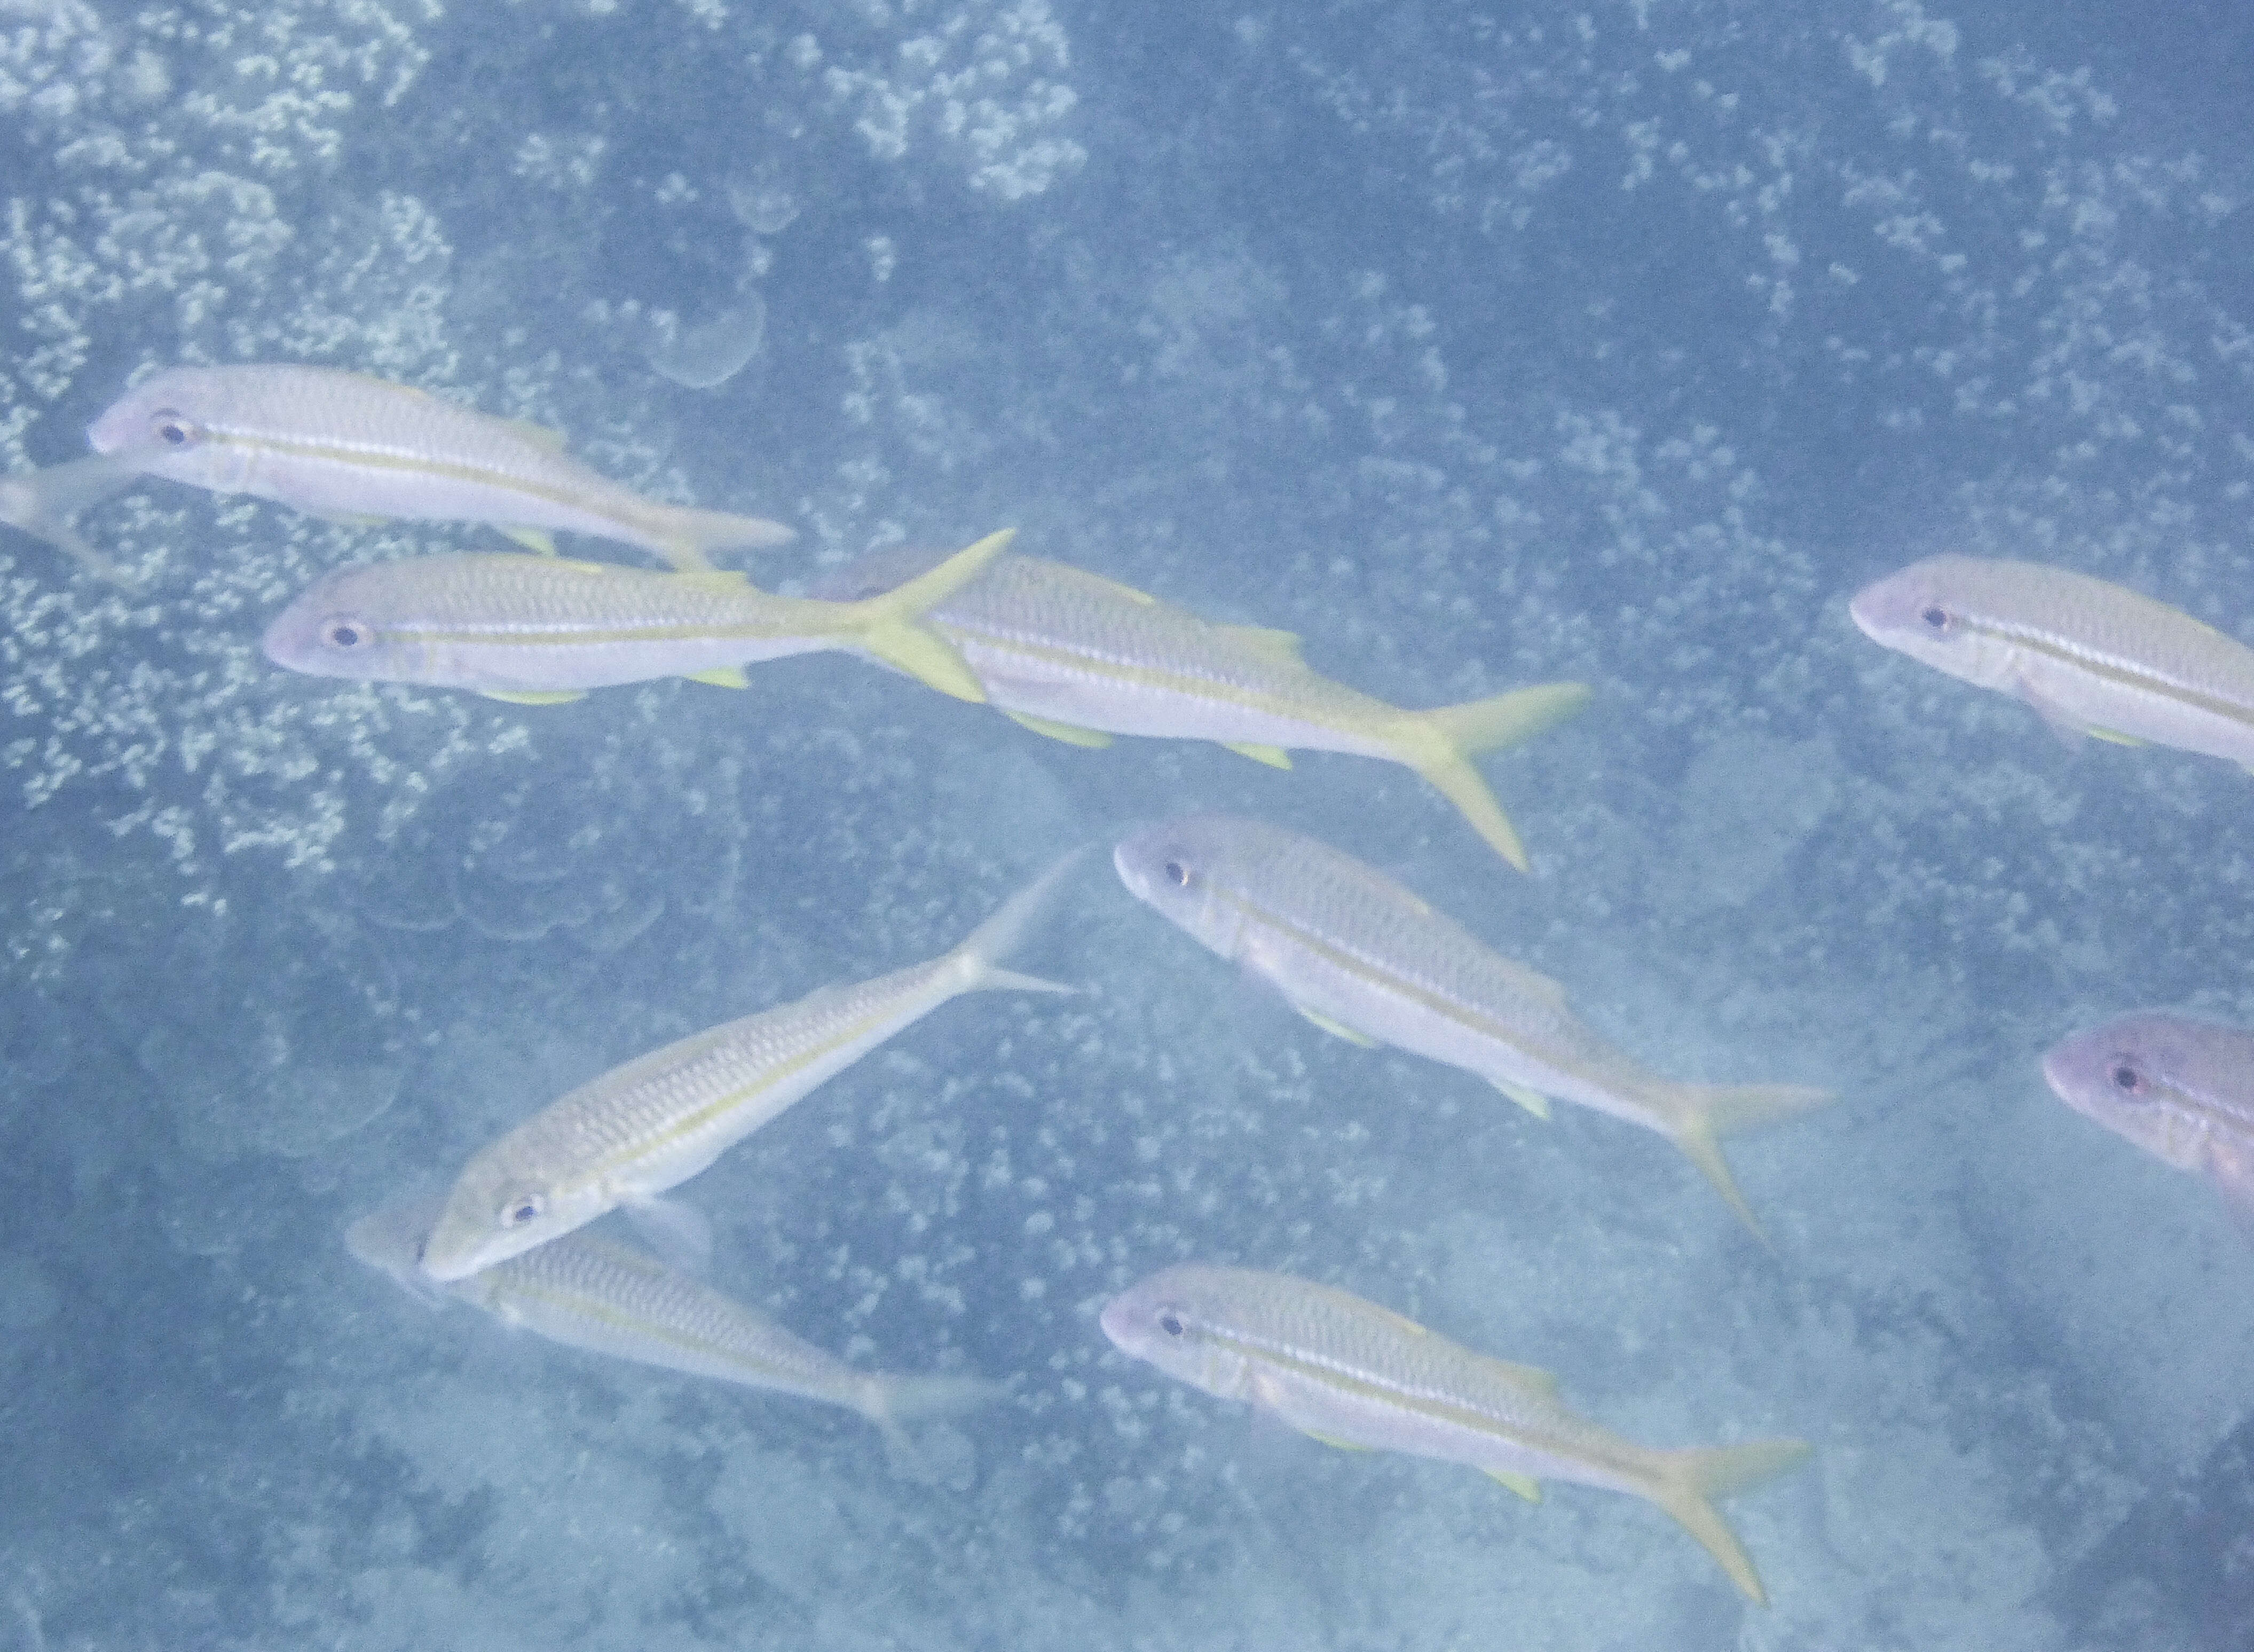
[(1080, 658)]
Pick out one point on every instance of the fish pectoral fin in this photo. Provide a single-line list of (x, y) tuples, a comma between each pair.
[(1533, 1101), (2114, 737), (537, 539), (1332, 1439), (680, 1234), (1525, 1485), (2069, 732), (1534, 984), (535, 697), (1279, 647), (546, 440), (1273, 756), (1337, 1029), (722, 677), (1070, 734)]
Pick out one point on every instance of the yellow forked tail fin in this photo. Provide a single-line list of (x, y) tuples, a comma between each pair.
[(1704, 1113), (1689, 1481), (886, 625), (1439, 743)]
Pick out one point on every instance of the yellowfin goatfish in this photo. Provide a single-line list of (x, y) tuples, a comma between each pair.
[(1076, 657), (2183, 1090), (540, 629), (639, 1128), (2092, 658), (41, 503), (1361, 957), (586, 1292), (344, 446), (1353, 1373)]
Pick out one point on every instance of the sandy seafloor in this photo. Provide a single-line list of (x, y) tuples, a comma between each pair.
[(1612, 341)]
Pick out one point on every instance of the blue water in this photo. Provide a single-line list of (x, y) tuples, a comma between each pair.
[(1608, 341)]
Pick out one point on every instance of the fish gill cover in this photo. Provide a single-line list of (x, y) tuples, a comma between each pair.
[(1613, 342)]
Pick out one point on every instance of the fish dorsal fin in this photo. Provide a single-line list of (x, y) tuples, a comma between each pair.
[(1273, 756), (1533, 1101), (1332, 1439), (540, 436), (721, 676), (533, 539), (1112, 587), (1527, 1379), (1525, 1485), (352, 518), (535, 697), (1070, 734), (1279, 647), (1337, 1029)]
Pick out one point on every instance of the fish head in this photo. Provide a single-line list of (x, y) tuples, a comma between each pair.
[(391, 1241), (1178, 1320), (163, 423), (2172, 1085), (1928, 612), (341, 626), (500, 1208), (1185, 868)]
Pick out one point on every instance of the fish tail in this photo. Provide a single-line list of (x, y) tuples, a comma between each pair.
[(892, 1401), (1702, 1114), (1689, 1481), (1439, 743), (25, 505), (887, 625), (686, 538), (982, 950)]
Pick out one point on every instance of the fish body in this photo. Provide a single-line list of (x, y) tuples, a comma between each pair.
[(586, 1292), (1081, 658), (343, 445), (1359, 953), (627, 1137), (1351, 1373), (2092, 657), (514, 626), (2183, 1090)]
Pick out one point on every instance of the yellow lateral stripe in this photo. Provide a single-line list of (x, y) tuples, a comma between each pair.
[(570, 1301), (521, 636), (1366, 1385), (2120, 673), (384, 459), (1464, 1015)]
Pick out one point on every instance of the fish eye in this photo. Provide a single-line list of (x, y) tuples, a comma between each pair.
[(1171, 1324), (1177, 874), (1936, 618), (2127, 1079), (343, 633), (170, 428), (521, 1209)]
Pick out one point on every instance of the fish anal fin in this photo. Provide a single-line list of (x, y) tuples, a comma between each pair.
[(1070, 734), (1280, 647), (721, 676), (535, 697), (1332, 1439), (1533, 1101), (1525, 1485), (1273, 756), (1337, 1029), (534, 539)]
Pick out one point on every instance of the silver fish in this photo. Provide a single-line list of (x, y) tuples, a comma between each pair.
[(1080, 658), (1363, 958), (586, 1292), (344, 446), (541, 629), (626, 1137), (2090, 657), (42, 502), (2183, 1090), (1353, 1373)]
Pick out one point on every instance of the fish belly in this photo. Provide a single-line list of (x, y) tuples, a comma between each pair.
[(1089, 698), (2087, 701), (549, 665)]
